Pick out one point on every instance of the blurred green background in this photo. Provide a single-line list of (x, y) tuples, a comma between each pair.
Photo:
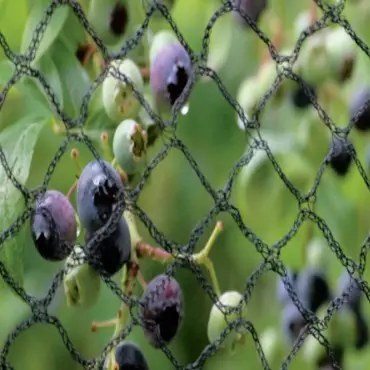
[(173, 197)]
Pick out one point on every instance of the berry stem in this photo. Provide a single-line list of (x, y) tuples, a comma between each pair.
[(106, 148), (314, 15), (203, 254), (202, 258), (102, 324), (155, 253), (72, 189), (75, 154)]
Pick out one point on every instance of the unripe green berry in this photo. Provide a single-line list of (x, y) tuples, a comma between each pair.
[(160, 39), (118, 98), (302, 21), (247, 97), (271, 344), (217, 320), (110, 19), (312, 64), (341, 54), (129, 146), (81, 282)]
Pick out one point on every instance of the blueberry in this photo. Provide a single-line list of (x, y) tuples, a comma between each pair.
[(357, 102), (281, 292), (118, 97), (292, 322), (170, 71), (128, 356), (113, 251), (129, 146), (254, 8), (97, 192), (54, 228), (341, 159), (300, 98), (312, 288), (162, 309)]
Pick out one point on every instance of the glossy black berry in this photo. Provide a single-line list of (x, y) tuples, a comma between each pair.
[(128, 356), (53, 226), (109, 255), (254, 9), (292, 322), (340, 156), (358, 101), (281, 292), (97, 194), (312, 288), (162, 309), (300, 98)]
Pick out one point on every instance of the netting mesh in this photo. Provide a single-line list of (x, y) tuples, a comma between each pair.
[(221, 197)]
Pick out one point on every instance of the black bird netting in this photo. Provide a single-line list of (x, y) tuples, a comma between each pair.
[(126, 200)]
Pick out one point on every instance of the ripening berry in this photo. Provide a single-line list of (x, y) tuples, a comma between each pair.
[(218, 322), (109, 255), (118, 97), (360, 101), (162, 306), (254, 9), (312, 288), (129, 146), (170, 72), (128, 356), (340, 156), (110, 19), (81, 282), (97, 194), (53, 226)]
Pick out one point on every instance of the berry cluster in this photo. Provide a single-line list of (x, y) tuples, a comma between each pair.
[(347, 329)]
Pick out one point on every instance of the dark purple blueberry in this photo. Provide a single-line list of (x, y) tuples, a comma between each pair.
[(128, 356), (358, 101), (97, 194), (340, 156), (312, 288), (169, 73), (162, 309), (110, 255), (53, 226)]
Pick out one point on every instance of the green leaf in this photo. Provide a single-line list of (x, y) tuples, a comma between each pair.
[(53, 28), (6, 71), (47, 67), (18, 142), (74, 78)]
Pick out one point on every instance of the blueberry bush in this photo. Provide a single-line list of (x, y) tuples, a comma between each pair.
[(183, 184)]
